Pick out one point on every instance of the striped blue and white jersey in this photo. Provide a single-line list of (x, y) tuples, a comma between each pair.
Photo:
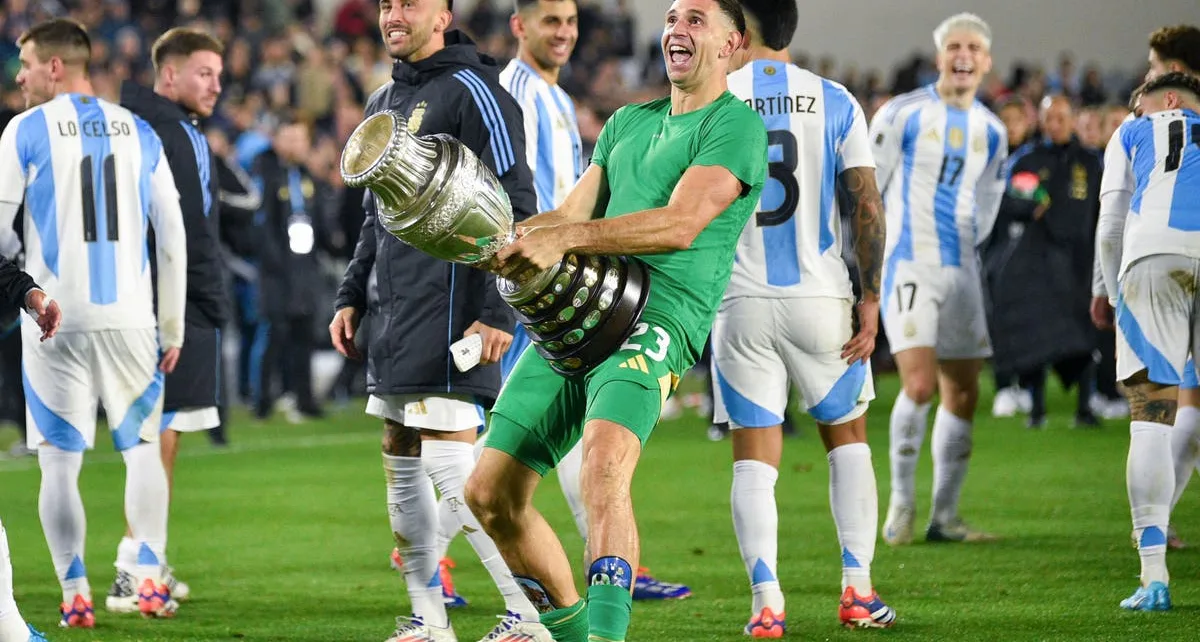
[(942, 174), (792, 246), (553, 146), (93, 177), (1152, 175)]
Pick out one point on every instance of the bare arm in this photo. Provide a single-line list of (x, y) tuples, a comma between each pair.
[(861, 198), (700, 196)]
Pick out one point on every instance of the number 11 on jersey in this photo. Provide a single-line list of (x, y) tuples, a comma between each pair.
[(108, 173)]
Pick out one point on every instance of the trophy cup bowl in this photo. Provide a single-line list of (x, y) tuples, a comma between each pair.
[(434, 194)]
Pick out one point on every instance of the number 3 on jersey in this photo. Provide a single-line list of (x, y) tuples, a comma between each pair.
[(782, 171), (661, 343), (108, 174)]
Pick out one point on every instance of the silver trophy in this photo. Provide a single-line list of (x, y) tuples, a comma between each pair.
[(433, 193)]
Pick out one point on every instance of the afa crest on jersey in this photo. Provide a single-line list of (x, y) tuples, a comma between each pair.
[(417, 117)]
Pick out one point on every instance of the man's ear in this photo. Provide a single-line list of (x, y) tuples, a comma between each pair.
[(734, 42), (445, 17), (516, 26)]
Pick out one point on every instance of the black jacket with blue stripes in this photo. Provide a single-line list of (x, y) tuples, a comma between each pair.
[(425, 304), (192, 165)]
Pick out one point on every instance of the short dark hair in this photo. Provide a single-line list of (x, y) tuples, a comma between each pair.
[(60, 37), (733, 10), (1174, 80), (182, 42), (1180, 43), (776, 21)]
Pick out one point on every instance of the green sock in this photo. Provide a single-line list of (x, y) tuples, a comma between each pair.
[(609, 610), (569, 624)]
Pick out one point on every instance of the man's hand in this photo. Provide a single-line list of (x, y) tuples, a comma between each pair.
[(169, 359), (495, 342), (342, 330), (45, 311), (1102, 313), (535, 249), (861, 346)]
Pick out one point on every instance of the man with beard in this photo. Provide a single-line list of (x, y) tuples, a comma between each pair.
[(187, 84), (673, 182), (431, 411)]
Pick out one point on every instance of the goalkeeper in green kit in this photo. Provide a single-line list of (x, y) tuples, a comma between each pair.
[(672, 182)]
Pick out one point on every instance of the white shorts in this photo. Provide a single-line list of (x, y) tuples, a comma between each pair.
[(935, 306), (191, 419), (66, 376), (1157, 318), (447, 413), (759, 345)]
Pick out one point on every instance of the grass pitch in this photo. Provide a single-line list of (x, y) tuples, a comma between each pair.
[(284, 537)]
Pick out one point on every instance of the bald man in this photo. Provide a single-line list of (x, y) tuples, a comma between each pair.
[(1040, 282)]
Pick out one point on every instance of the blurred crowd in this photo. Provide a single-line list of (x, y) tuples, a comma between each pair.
[(316, 62)]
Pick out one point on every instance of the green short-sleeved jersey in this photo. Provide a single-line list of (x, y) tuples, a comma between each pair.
[(644, 151)]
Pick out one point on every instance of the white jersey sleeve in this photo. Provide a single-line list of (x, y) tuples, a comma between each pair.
[(166, 217), (886, 140), (515, 80), (855, 150), (1116, 190)]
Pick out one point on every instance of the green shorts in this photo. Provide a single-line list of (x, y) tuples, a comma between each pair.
[(540, 414)]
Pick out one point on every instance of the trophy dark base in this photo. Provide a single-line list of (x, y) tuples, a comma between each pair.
[(589, 309)]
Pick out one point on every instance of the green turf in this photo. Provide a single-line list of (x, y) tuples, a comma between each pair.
[(285, 537)]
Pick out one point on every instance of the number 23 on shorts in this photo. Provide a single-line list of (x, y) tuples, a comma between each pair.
[(654, 345), (650, 345)]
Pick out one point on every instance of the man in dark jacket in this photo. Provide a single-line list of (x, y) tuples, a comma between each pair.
[(187, 84), (1039, 282), (441, 84), (289, 234)]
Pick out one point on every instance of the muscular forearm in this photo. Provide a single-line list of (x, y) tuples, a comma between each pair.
[(551, 217), (648, 232)]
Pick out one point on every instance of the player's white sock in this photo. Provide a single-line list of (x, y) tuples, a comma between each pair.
[(569, 471), (756, 524), (60, 507), (147, 501), (907, 430), (449, 464), (12, 625), (1150, 480), (448, 527), (127, 553), (1185, 448), (855, 506), (412, 511), (951, 446)]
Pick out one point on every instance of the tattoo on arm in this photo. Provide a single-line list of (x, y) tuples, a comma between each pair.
[(860, 196)]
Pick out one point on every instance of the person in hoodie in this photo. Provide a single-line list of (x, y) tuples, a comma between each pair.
[(1041, 278), (443, 85), (187, 65)]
